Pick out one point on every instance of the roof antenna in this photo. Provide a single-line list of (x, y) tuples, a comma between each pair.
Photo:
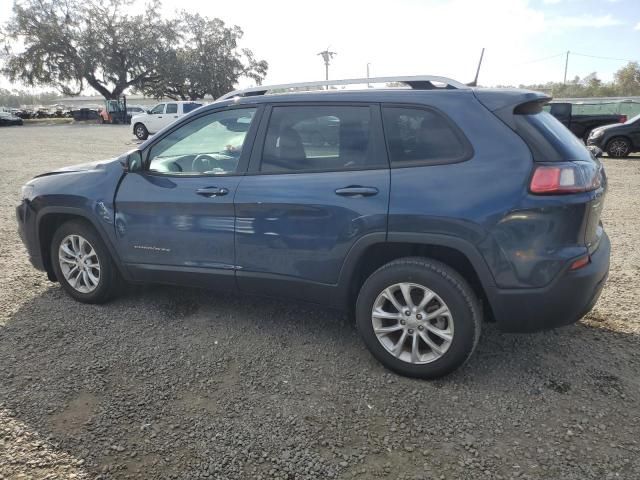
[(475, 80)]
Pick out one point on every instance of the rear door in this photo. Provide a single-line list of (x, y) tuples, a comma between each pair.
[(318, 183)]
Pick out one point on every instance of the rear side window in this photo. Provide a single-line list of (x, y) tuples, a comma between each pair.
[(548, 139), (422, 137), (318, 138), (189, 107), (172, 108)]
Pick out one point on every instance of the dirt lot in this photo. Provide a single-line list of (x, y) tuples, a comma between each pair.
[(177, 383)]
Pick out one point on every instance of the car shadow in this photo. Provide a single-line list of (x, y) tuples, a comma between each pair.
[(119, 388)]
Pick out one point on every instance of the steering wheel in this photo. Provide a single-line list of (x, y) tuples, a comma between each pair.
[(205, 163)]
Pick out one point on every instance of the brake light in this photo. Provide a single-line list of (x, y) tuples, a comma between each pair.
[(570, 177), (623, 118)]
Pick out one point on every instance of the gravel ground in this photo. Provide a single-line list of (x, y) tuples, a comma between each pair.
[(167, 382)]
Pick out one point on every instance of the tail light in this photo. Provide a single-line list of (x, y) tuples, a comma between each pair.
[(569, 177), (623, 118)]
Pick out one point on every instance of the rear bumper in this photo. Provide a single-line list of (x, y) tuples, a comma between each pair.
[(567, 299), (26, 218)]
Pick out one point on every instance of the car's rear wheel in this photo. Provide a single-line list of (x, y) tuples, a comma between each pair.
[(418, 317), (618, 147), (141, 131), (82, 263)]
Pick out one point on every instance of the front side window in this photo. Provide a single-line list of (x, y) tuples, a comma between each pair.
[(207, 145), (418, 136), (158, 109), (317, 138), (172, 108)]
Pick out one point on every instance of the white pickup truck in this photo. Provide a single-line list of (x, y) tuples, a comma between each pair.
[(159, 117)]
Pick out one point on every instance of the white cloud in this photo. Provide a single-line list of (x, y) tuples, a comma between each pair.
[(637, 27), (585, 20)]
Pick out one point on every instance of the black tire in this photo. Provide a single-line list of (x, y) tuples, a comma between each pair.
[(618, 147), (108, 278), (140, 131), (445, 283)]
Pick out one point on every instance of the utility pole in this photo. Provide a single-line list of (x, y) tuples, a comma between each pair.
[(368, 85), (566, 64), (327, 56)]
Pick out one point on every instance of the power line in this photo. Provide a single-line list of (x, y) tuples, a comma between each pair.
[(603, 58), (540, 59)]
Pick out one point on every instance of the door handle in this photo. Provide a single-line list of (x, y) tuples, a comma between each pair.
[(212, 191), (357, 191), (175, 116)]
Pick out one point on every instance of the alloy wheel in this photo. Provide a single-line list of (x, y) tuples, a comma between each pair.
[(79, 263), (412, 323), (619, 148)]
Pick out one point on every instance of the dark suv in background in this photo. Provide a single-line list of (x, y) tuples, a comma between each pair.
[(423, 210), (618, 140)]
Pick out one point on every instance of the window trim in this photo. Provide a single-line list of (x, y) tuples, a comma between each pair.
[(468, 151), (243, 161), (377, 138)]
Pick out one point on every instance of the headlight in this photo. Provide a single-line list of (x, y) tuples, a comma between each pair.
[(26, 192), (596, 133)]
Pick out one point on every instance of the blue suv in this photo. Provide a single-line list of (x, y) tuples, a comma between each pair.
[(423, 210)]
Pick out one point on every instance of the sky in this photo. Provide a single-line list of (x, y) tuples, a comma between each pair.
[(526, 40)]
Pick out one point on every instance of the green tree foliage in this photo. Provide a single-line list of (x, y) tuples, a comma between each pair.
[(69, 44), (626, 83), (206, 61), (72, 44)]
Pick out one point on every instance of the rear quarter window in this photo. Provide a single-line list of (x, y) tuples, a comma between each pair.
[(548, 139), (189, 107), (421, 136)]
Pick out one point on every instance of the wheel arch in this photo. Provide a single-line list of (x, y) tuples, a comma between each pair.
[(49, 220), (369, 254)]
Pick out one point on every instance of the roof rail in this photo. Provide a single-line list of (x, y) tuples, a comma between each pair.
[(419, 82)]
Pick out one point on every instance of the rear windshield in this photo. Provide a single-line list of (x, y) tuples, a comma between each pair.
[(188, 107), (548, 139)]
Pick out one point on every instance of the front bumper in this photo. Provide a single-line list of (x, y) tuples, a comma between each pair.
[(566, 300), (598, 142), (26, 218)]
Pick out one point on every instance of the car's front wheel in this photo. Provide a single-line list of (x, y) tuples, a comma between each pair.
[(418, 317), (141, 131), (618, 147), (82, 263)]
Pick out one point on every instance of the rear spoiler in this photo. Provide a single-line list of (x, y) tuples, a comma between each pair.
[(504, 102)]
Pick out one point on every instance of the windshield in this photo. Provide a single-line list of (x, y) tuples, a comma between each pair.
[(632, 120)]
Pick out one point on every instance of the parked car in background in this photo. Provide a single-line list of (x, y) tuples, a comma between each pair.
[(8, 119), (474, 204), (618, 140), (581, 125), (159, 117)]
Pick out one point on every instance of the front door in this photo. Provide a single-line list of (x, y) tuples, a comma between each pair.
[(317, 184), (156, 116), (175, 218)]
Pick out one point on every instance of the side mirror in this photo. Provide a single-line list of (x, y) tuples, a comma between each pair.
[(148, 112), (133, 161)]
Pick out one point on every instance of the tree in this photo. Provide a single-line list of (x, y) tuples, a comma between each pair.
[(69, 44), (206, 61), (627, 79)]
